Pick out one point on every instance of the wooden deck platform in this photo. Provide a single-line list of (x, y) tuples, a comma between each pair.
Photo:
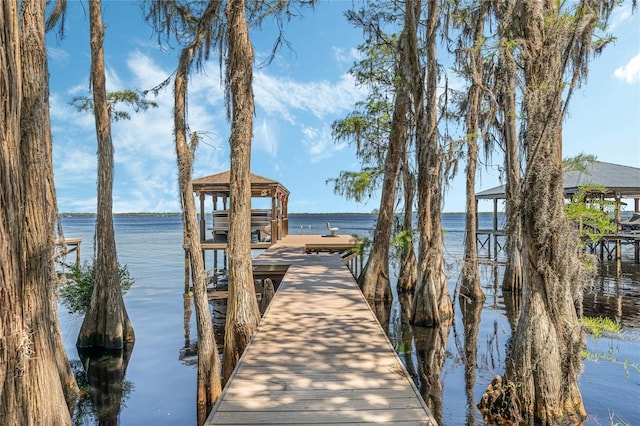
[(609, 246), (70, 245), (319, 355)]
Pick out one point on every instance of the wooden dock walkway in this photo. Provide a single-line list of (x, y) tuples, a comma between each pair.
[(319, 355)]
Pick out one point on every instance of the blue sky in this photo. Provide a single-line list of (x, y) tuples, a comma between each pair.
[(297, 98)]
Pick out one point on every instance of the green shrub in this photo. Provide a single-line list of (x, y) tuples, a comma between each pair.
[(75, 293)]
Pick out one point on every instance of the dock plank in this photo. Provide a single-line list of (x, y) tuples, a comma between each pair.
[(310, 417), (319, 355)]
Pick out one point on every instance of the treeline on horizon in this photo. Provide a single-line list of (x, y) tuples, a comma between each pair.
[(169, 214)]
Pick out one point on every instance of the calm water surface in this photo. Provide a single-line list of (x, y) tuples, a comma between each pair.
[(159, 384)]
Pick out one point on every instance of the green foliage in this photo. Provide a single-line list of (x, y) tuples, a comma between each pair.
[(404, 347), (75, 293), (130, 98), (355, 185), (578, 163), (589, 211), (403, 240), (368, 126), (363, 244), (598, 325)]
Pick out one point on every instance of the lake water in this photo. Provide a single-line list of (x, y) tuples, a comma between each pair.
[(160, 377)]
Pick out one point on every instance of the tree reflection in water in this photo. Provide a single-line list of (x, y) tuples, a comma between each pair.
[(382, 310), (103, 390), (421, 349), (471, 312), (431, 344), (512, 307), (404, 343), (188, 354)]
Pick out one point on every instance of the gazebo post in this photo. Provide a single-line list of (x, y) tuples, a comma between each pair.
[(274, 218), (203, 225), (636, 243), (618, 240), (285, 219), (495, 230), (215, 252), (279, 203)]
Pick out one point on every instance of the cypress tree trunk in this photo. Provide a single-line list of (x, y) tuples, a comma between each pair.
[(470, 285), (408, 274), (411, 72), (506, 78), (243, 314), (31, 391), (40, 207), (106, 323), (374, 279), (540, 382), (470, 277), (209, 385), (472, 62), (513, 279), (512, 307), (432, 305)]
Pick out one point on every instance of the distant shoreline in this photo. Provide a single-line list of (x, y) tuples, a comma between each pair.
[(177, 214), (171, 214)]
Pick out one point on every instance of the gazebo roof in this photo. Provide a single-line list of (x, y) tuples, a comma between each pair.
[(617, 178), (219, 184)]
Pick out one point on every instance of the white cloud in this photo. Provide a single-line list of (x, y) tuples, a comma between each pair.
[(80, 89), (145, 147), (272, 96), (65, 118), (76, 162), (321, 98), (145, 176), (57, 54), (346, 57), (114, 81), (629, 73), (148, 73), (620, 15), (320, 146), (264, 139), (76, 204), (208, 86)]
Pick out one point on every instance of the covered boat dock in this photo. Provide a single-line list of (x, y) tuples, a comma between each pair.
[(619, 182)]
